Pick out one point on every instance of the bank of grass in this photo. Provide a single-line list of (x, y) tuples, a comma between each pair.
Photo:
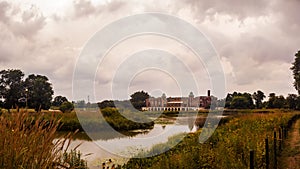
[(30, 143), (228, 147), (96, 120)]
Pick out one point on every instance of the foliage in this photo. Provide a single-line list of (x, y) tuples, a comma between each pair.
[(39, 92), (26, 142), (119, 122), (138, 99), (258, 97), (73, 159), (58, 101), (239, 101), (276, 101), (106, 103), (296, 71), (66, 107), (11, 87), (80, 104), (70, 122), (228, 147)]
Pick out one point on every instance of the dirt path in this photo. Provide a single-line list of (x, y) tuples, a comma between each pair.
[(291, 154)]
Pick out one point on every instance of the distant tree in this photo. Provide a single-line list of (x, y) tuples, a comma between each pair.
[(279, 102), (228, 100), (39, 92), (106, 103), (272, 98), (239, 102), (66, 107), (248, 96), (258, 97), (11, 87), (138, 99), (58, 100), (292, 101), (276, 101), (234, 101), (296, 71), (80, 104)]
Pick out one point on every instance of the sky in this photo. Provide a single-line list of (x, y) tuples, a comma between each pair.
[(255, 42)]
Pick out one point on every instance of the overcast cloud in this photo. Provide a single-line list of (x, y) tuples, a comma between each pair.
[(256, 41)]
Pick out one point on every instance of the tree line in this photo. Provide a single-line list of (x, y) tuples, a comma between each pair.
[(246, 100), (34, 91)]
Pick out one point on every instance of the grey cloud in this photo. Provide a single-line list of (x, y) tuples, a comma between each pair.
[(235, 8), (4, 6), (28, 28), (32, 21), (83, 8)]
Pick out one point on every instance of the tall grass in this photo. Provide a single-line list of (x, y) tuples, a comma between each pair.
[(30, 143), (228, 147)]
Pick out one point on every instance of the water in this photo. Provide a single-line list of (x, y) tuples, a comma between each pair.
[(119, 148)]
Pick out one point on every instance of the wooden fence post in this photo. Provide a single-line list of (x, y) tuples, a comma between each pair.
[(251, 159), (280, 139), (267, 153), (275, 153)]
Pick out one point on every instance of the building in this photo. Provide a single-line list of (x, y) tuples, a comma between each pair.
[(178, 103)]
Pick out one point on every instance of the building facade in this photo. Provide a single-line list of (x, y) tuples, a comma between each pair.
[(178, 103)]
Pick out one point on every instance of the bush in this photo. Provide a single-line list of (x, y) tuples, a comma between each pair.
[(66, 107)]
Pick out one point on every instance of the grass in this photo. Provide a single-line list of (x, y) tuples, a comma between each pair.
[(30, 143), (94, 121), (228, 147)]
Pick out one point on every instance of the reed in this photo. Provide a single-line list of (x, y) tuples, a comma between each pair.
[(30, 143)]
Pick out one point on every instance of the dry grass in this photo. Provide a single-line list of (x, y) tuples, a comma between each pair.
[(26, 142)]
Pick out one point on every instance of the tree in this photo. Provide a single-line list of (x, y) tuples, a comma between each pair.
[(235, 100), (296, 71), (58, 100), (292, 101), (276, 101), (66, 107), (11, 87), (228, 100), (106, 103), (239, 102), (248, 96), (279, 102), (39, 92), (272, 98), (80, 104), (258, 97), (138, 99)]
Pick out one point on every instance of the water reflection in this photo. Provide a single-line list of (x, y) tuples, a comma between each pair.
[(124, 145), (133, 142)]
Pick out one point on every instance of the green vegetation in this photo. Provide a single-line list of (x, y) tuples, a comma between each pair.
[(119, 122), (138, 99), (26, 143), (73, 160), (228, 147), (92, 121), (33, 92), (66, 107), (296, 71)]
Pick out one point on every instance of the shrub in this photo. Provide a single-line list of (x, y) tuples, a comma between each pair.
[(66, 107)]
